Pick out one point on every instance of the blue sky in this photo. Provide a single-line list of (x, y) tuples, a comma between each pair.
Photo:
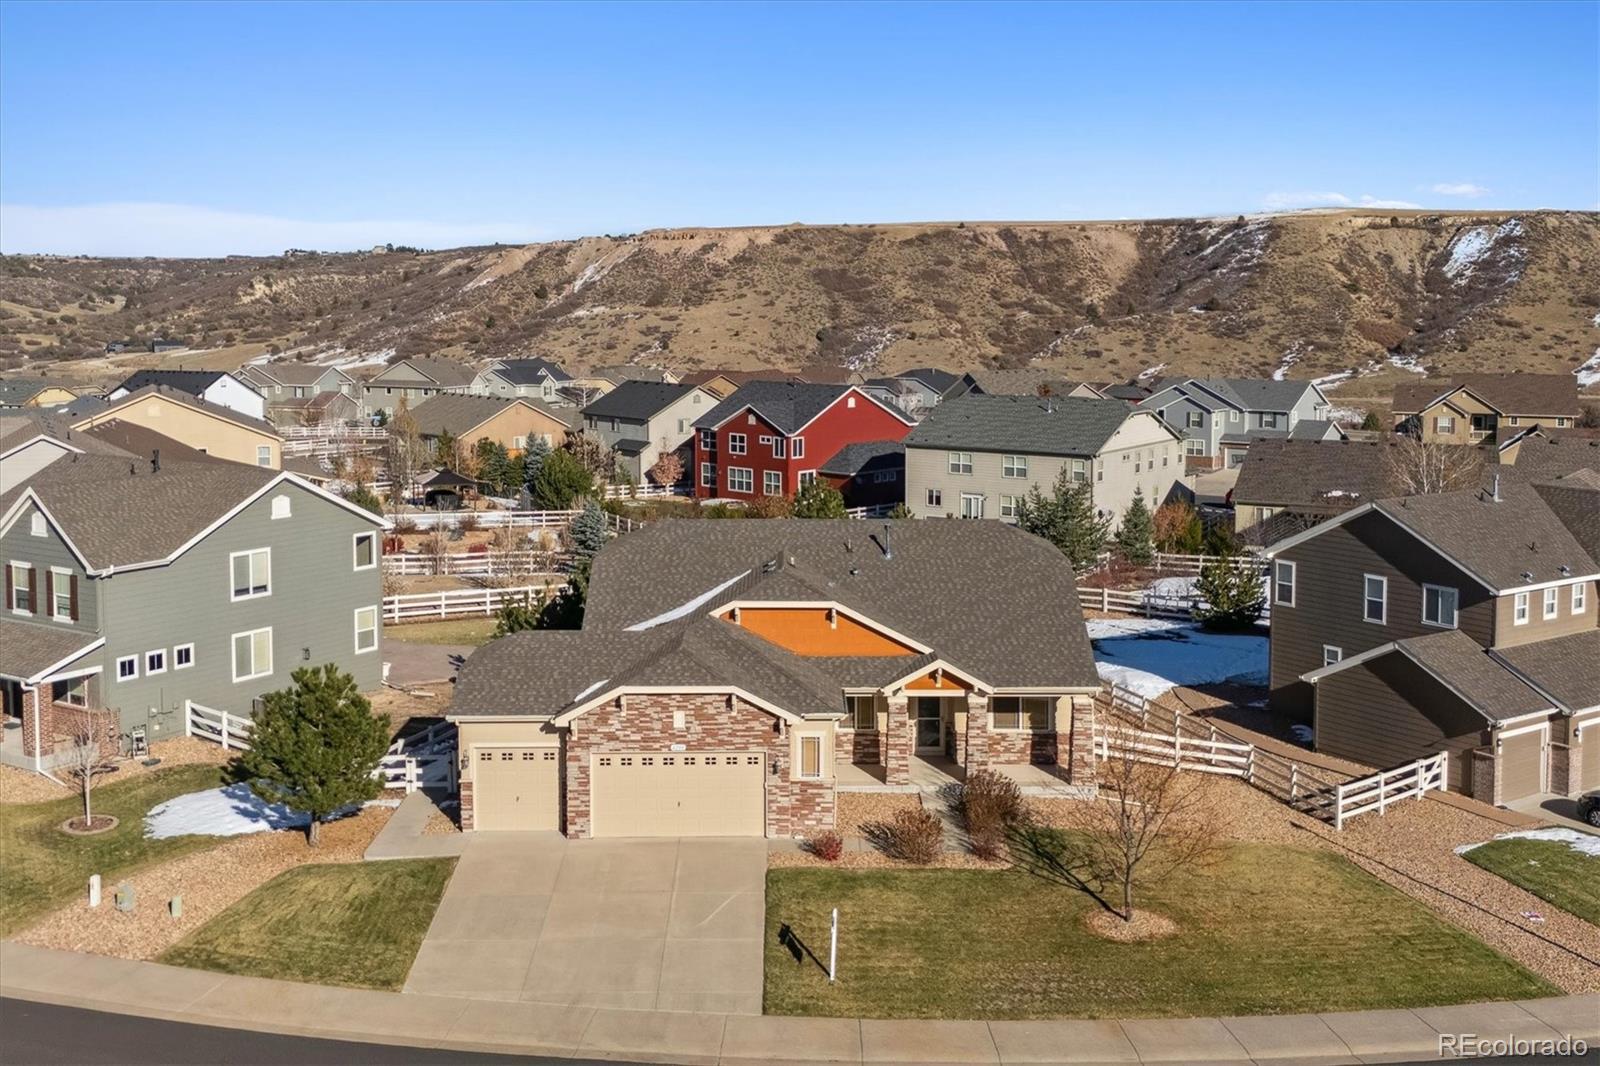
[(163, 129)]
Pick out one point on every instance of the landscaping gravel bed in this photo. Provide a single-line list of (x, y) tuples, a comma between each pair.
[(856, 809), (25, 786), (209, 882)]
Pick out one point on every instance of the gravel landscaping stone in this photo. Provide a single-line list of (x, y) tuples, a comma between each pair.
[(25, 786)]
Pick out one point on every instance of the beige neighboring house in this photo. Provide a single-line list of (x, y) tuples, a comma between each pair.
[(31, 439), (583, 389), (1473, 408), (976, 456), (217, 431), (512, 423), (34, 392), (413, 380)]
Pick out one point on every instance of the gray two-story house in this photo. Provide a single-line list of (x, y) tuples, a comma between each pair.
[(1462, 623), (413, 380), (1219, 417), (301, 393), (135, 586), (525, 379), (642, 420)]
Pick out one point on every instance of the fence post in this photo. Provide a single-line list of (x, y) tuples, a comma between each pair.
[(224, 715), (1383, 792), (188, 718), (1338, 807), (1249, 763), (1294, 783)]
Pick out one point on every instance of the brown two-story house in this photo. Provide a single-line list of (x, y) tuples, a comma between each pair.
[(1461, 622), (1473, 408)]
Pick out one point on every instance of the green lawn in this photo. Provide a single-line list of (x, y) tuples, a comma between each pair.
[(1549, 869), (356, 924), (42, 867), (1266, 930), (474, 631)]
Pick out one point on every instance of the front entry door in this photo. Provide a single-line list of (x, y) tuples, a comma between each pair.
[(930, 724)]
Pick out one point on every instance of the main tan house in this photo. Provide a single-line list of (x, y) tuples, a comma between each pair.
[(510, 423), (218, 431), (1460, 622), (731, 676), (1470, 408)]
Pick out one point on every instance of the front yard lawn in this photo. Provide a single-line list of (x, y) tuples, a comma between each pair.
[(1550, 869), (474, 631), (356, 924), (41, 867), (1268, 929)]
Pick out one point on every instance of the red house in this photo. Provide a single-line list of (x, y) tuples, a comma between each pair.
[(771, 437)]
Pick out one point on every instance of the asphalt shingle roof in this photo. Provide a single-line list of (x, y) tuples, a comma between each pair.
[(188, 400), (1511, 394), (193, 382), (458, 413), (530, 371), (787, 405), (637, 400), (1025, 425), (290, 373), (18, 391), (1318, 477), (26, 648), (852, 459), (1568, 668), (1486, 685)]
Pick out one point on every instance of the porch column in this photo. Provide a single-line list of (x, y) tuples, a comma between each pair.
[(1080, 741), (977, 738), (898, 741), (38, 722)]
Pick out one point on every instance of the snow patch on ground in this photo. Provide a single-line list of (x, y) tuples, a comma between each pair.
[(1292, 355), (344, 360), (1589, 373), (230, 811), (1407, 362), (1150, 371), (1472, 247), (1150, 656), (1583, 843)]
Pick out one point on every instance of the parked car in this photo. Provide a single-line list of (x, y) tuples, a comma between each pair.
[(1589, 807)]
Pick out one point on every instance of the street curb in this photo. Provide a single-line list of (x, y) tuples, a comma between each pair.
[(199, 997)]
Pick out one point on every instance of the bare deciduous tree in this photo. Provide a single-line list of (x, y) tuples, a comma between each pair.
[(1418, 467), (403, 455), (668, 469), (83, 765)]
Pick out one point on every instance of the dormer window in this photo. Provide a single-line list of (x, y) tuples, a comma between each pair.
[(1439, 606)]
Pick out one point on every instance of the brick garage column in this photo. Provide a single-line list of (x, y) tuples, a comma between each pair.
[(898, 741), (466, 805), (1080, 741), (977, 738), (1577, 738), (38, 722), (1483, 774)]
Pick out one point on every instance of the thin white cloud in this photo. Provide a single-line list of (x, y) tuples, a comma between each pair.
[(1294, 201), (135, 229), (1459, 188)]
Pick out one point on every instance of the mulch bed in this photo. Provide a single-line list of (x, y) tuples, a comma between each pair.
[(98, 823)]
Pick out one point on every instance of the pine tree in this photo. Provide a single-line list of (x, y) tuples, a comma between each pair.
[(1066, 518), (364, 497), (818, 500), (589, 531), (517, 615), (1231, 593), (314, 746), (1135, 537), (1372, 421), (533, 460), (444, 449), (564, 610), (561, 480)]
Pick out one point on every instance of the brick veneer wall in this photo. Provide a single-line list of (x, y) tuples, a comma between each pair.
[(466, 806), (645, 723), (979, 737), (36, 719), (1485, 777), (1080, 742), (899, 742), (98, 722), (857, 745)]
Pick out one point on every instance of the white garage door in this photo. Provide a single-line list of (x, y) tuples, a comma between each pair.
[(678, 794), (516, 788)]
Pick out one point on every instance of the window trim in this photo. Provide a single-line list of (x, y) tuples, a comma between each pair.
[(56, 587), (264, 455), (1383, 599), (1552, 603), (132, 660), (233, 593), (1579, 602), (1022, 727), (1337, 656), (377, 617), (749, 473), (852, 710), (802, 740), (1014, 466), (16, 586), (708, 475), (797, 447), (233, 648), (935, 497), (355, 550), (968, 497), (152, 671), (1521, 608), (772, 482), (958, 462), (738, 444), (37, 525), (1455, 608), (1278, 582), (176, 650)]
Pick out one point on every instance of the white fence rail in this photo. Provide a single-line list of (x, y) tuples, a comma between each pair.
[(1168, 562), (1379, 791), (1174, 749), (488, 519), (476, 564), (1137, 601), (644, 492), (454, 603), (876, 510), (232, 731)]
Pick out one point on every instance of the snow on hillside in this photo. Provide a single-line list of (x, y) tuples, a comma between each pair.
[(1473, 246), (1589, 373)]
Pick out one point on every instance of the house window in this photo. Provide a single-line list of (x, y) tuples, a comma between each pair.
[(811, 757), (960, 462), (1439, 606), (807, 477), (1194, 420), (1580, 598), (708, 440), (772, 483), (1014, 466), (935, 497), (708, 475), (22, 588), (155, 662), (741, 479), (74, 692), (366, 629), (1194, 446), (1283, 582), (183, 656), (736, 443), (61, 607), (1375, 604), (1080, 471), (1515, 420), (36, 524), (1561, 423), (252, 654), (366, 549), (1444, 424), (1009, 505), (263, 455), (885, 477), (1552, 602), (1030, 713), (797, 448), (127, 668), (778, 447), (863, 713), (252, 573), (1331, 655), (1267, 420), (971, 505), (1519, 609)]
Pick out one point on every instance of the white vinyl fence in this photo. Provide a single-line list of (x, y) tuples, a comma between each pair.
[(1378, 791), (488, 519), (456, 603), (232, 731), (477, 564)]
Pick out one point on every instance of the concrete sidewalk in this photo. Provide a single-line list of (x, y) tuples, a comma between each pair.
[(150, 989), (402, 836)]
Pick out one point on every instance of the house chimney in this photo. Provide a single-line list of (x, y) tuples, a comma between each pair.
[(155, 460), (888, 552)]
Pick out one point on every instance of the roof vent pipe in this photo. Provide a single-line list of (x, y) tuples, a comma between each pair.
[(1497, 487), (888, 552), (155, 460)]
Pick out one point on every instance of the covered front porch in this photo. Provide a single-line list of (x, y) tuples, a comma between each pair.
[(934, 773), (49, 697)]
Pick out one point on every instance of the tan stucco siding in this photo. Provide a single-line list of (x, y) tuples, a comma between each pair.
[(533, 734), (212, 434), (517, 420)]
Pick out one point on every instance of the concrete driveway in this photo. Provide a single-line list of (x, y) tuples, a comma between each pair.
[(639, 924)]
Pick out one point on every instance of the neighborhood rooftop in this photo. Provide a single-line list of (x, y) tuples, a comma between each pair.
[(1519, 394), (1066, 425), (637, 400), (457, 413), (787, 405)]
